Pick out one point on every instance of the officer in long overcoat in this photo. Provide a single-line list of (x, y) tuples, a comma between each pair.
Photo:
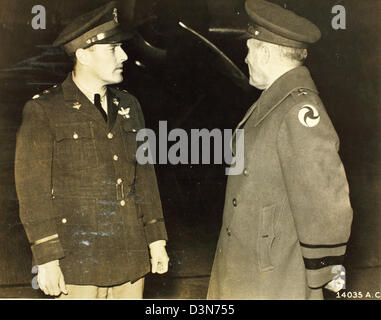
[(287, 217), (91, 213)]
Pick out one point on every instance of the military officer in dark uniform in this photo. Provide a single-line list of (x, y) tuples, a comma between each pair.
[(287, 217), (91, 213)]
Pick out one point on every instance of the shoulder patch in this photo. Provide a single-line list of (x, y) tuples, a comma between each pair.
[(309, 116)]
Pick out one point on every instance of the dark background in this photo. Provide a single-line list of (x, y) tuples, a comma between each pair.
[(183, 81)]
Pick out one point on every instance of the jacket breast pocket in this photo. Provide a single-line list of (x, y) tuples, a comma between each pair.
[(75, 146), (266, 237), (130, 130)]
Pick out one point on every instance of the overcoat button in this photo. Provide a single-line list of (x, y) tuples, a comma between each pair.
[(123, 203), (64, 220), (110, 135), (246, 172), (133, 130), (235, 202), (75, 135), (115, 157), (119, 181)]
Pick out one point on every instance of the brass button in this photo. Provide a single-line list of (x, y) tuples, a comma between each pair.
[(116, 158), (110, 135), (123, 203), (119, 181), (235, 202), (64, 220), (246, 172), (75, 135), (133, 130)]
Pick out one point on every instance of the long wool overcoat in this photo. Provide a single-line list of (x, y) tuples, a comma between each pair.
[(287, 217), (77, 177)]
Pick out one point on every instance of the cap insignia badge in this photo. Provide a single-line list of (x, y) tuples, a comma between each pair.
[(115, 14)]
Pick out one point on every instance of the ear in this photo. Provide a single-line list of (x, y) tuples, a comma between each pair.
[(82, 56), (305, 53)]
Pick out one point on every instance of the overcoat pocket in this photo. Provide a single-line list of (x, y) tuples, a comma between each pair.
[(266, 238)]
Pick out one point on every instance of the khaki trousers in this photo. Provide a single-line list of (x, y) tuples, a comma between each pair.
[(123, 291)]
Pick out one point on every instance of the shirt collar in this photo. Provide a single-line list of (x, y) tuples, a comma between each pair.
[(88, 93)]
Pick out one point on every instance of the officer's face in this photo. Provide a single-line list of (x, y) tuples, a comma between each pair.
[(256, 61), (106, 62)]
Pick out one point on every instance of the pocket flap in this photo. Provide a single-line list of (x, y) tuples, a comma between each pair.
[(131, 125), (74, 131)]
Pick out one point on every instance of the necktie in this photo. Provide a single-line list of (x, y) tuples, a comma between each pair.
[(97, 103)]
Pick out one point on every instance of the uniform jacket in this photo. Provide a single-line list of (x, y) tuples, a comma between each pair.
[(287, 217), (77, 176)]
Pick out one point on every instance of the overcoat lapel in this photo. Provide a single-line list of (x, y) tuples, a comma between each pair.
[(298, 78)]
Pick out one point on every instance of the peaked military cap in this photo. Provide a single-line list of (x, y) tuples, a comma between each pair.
[(96, 27), (270, 22)]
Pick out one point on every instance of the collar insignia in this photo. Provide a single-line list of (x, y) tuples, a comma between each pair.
[(115, 101), (77, 105)]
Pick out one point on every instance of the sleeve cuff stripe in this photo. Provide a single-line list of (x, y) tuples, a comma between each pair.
[(315, 264), (317, 246), (317, 253)]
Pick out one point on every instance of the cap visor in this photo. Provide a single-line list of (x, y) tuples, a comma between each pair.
[(245, 36)]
